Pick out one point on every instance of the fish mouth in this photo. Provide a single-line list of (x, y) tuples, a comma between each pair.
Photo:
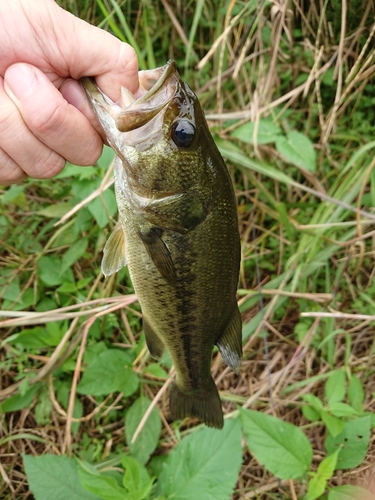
[(158, 85)]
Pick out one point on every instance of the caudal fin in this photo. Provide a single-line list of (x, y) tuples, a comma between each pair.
[(204, 404)]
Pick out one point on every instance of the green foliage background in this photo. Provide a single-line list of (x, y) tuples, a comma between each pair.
[(287, 89)]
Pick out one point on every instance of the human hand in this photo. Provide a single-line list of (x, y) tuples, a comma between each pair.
[(45, 118)]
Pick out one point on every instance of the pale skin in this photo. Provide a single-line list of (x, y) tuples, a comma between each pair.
[(45, 118)]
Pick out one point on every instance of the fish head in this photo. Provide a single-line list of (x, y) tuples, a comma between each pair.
[(159, 137)]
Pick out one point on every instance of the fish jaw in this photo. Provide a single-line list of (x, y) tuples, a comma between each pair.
[(119, 121)]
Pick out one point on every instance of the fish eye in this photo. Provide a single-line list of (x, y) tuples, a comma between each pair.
[(183, 133)]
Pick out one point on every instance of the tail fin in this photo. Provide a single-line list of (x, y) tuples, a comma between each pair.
[(203, 404)]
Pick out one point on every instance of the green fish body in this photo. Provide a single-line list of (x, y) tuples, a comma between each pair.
[(177, 232)]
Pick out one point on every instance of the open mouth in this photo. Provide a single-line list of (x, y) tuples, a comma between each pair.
[(159, 86)]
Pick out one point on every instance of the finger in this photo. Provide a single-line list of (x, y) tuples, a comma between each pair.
[(10, 172), (76, 96), (56, 123), (91, 51), (27, 155)]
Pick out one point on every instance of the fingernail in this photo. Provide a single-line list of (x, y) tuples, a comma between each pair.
[(20, 79)]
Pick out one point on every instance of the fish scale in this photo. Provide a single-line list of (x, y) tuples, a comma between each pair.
[(177, 232)]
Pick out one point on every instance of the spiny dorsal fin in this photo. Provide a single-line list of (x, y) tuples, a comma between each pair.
[(114, 252), (159, 253), (230, 342)]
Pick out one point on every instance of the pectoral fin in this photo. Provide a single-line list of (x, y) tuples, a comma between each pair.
[(159, 253), (154, 343), (230, 342), (114, 252), (180, 212)]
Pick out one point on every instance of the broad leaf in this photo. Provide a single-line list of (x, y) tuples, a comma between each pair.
[(341, 410), (74, 253), (204, 465), (298, 150), (353, 441), (98, 484), (350, 492), (266, 132), (333, 424), (136, 480), (356, 393), (56, 210), (318, 482), (109, 372), (49, 271), (281, 447), (102, 207), (148, 438), (335, 387), (19, 401), (54, 477)]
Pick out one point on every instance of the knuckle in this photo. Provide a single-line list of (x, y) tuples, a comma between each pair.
[(90, 154), (10, 172), (47, 166), (50, 120), (7, 120)]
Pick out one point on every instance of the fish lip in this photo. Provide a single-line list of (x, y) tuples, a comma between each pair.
[(164, 83)]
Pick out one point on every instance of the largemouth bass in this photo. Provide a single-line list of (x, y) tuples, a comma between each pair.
[(177, 232)]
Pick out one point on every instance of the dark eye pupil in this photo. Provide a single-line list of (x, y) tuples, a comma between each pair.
[(183, 133)]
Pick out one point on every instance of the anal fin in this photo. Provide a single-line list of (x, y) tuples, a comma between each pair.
[(114, 252), (154, 343), (159, 253), (230, 342)]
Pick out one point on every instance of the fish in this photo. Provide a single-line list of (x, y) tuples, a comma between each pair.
[(177, 232)]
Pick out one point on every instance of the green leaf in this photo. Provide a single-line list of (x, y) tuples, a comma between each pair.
[(281, 447), (318, 482), (356, 393), (74, 253), (353, 441), (56, 210), (155, 370), (111, 371), (15, 194), (341, 410), (298, 150), (334, 425), (19, 401), (136, 480), (327, 466), (147, 440), (267, 132), (43, 408), (335, 387), (12, 291), (204, 465), (314, 401), (49, 271), (38, 337), (102, 207), (54, 477), (106, 487), (350, 492), (310, 413)]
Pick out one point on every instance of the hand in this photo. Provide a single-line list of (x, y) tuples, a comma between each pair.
[(45, 118)]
